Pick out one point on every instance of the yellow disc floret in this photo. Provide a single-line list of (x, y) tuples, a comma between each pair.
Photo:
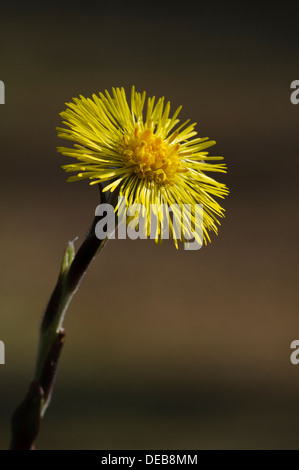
[(151, 157)]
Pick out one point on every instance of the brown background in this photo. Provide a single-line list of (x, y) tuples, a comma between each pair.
[(165, 349)]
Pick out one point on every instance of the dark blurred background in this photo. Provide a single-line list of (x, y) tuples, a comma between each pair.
[(165, 349)]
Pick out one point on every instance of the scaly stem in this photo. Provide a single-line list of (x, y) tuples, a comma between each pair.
[(27, 417)]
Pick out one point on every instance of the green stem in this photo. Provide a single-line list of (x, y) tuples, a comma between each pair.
[(27, 417)]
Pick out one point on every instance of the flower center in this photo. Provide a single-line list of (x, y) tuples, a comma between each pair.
[(151, 157)]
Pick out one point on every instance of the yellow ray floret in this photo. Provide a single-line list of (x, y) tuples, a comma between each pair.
[(139, 149)]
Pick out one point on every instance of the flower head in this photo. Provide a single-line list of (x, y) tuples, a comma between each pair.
[(143, 152)]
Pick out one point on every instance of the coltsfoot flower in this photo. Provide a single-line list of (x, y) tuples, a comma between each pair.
[(143, 152)]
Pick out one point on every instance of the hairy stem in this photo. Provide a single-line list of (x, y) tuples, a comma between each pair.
[(27, 417)]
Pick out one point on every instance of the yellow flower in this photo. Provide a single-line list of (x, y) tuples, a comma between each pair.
[(143, 152)]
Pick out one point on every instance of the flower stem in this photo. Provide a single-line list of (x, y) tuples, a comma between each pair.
[(27, 417)]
